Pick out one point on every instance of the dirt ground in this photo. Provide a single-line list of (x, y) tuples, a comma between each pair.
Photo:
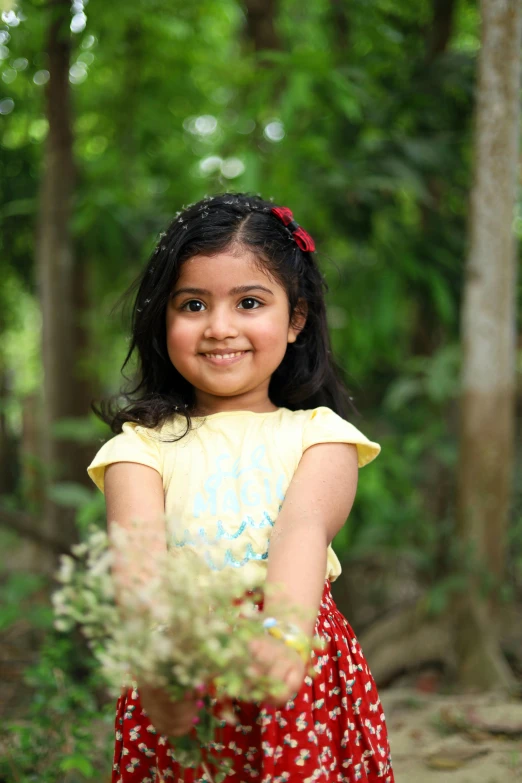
[(454, 738)]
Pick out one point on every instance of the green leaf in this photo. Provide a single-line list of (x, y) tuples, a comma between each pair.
[(79, 763), (69, 493), (80, 429), (402, 392)]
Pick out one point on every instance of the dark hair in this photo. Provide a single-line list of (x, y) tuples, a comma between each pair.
[(308, 375)]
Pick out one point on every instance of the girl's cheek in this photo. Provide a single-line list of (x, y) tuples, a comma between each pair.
[(271, 333), (180, 333)]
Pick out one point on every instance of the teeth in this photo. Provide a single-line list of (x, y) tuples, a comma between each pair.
[(220, 356)]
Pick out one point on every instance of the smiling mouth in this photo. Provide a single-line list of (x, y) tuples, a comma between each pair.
[(224, 357)]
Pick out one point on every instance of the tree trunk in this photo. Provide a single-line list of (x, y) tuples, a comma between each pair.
[(488, 338), (341, 26), (55, 262), (441, 27), (31, 454), (8, 452), (260, 24)]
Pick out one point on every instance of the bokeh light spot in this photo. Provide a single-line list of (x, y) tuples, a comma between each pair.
[(205, 125), (41, 77), (95, 146), (77, 73), (274, 131), (6, 106), (86, 57), (10, 18), (9, 75), (78, 22), (38, 129), (232, 167), (88, 41), (210, 164)]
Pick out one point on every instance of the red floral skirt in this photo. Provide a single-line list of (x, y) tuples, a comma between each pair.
[(334, 730)]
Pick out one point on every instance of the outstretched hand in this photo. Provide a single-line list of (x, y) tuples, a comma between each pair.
[(277, 662), (174, 719)]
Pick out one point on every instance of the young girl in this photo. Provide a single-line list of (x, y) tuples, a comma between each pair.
[(236, 434)]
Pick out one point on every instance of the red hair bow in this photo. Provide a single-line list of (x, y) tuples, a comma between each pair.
[(302, 237)]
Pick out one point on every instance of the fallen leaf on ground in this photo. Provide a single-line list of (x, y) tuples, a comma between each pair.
[(452, 755)]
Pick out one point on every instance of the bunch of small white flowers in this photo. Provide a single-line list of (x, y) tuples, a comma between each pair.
[(87, 596), (172, 623)]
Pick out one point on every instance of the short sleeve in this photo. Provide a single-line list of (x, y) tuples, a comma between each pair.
[(133, 444), (325, 426)]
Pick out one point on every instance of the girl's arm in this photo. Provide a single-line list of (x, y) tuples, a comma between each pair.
[(316, 505), (134, 492)]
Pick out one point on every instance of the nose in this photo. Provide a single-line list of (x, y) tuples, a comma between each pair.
[(221, 324)]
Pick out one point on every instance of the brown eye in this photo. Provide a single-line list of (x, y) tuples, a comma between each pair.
[(250, 303), (193, 306)]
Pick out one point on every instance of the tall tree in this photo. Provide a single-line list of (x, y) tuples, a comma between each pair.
[(488, 337), (341, 23), (260, 24), (441, 28), (56, 266)]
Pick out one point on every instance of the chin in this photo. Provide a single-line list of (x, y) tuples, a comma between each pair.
[(224, 392)]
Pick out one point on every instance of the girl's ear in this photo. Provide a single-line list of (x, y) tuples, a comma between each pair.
[(297, 321)]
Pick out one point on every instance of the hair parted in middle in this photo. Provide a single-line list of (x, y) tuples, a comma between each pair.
[(307, 376)]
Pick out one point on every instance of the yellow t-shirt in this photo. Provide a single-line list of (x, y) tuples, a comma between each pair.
[(225, 481)]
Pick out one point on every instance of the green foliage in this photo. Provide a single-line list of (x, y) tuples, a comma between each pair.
[(16, 594), (89, 504), (80, 430), (64, 729), (68, 493)]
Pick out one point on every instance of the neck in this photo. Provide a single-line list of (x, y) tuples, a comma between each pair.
[(255, 401)]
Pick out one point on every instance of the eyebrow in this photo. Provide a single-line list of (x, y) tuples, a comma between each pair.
[(240, 289)]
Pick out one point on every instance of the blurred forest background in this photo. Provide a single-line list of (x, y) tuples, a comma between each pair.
[(359, 115)]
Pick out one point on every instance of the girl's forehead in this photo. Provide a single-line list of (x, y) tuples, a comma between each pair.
[(225, 270)]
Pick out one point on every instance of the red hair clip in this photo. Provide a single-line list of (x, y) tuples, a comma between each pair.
[(302, 237)]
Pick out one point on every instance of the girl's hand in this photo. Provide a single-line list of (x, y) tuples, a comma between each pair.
[(273, 659), (171, 718)]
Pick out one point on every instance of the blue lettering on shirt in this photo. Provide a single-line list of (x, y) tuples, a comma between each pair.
[(228, 489), (218, 496)]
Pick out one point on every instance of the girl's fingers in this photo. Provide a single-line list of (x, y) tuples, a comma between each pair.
[(280, 672), (263, 656), (294, 680), (173, 718), (177, 731)]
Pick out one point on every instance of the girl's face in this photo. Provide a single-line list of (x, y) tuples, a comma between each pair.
[(228, 326)]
